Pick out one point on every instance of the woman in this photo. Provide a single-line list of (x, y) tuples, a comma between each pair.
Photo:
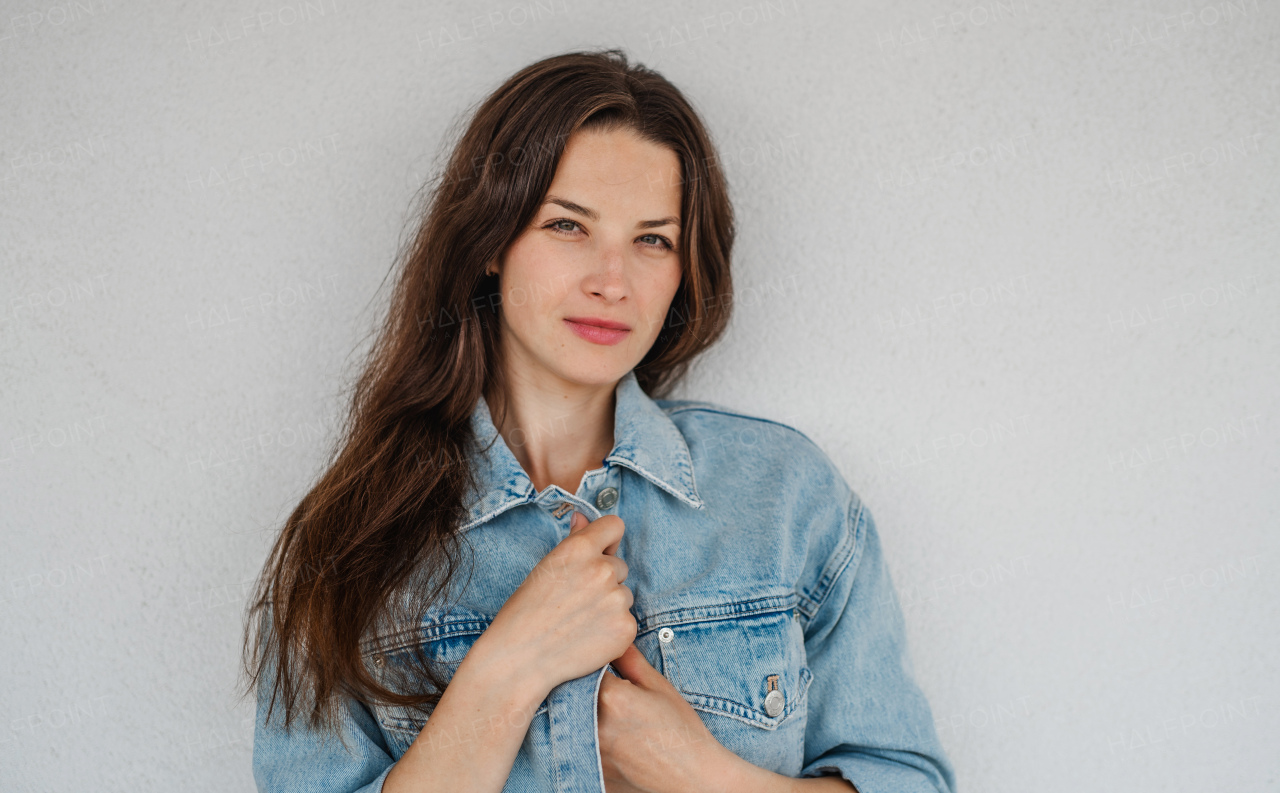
[(620, 592)]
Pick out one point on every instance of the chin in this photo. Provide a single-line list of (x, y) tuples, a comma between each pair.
[(603, 373)]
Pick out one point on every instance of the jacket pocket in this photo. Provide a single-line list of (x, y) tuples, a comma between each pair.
[(749, 668)]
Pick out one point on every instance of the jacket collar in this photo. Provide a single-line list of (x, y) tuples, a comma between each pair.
[(646, 440)]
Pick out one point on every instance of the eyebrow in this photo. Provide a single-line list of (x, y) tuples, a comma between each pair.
[(591, 213)]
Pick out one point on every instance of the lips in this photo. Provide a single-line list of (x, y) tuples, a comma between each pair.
[(599, 323), (597, 330)]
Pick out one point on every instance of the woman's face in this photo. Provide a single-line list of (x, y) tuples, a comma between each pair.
[(601, 249)]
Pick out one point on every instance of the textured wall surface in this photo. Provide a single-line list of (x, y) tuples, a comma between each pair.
[(1012, 264)]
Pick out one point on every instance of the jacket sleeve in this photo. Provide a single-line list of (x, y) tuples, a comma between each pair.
[(868, 720), (301, 760)]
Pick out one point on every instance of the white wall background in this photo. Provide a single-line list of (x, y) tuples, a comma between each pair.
[(1013, 264)]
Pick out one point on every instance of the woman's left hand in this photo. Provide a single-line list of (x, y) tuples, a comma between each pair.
[(651, 739)]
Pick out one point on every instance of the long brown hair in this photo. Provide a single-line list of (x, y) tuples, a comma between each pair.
[(390, 502)]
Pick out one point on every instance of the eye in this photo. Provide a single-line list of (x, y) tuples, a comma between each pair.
[(555, 226), (663, 242)]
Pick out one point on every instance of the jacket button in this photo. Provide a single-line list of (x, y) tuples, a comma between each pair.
[(773, 702), (607, 498), (666, 635)]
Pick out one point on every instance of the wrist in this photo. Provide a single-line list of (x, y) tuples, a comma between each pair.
[(729, 773), (522, 680)]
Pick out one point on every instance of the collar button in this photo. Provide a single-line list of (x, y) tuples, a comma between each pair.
[(607, 497)]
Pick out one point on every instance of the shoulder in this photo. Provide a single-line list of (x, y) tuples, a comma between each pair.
[(773, 450), (757, 471)]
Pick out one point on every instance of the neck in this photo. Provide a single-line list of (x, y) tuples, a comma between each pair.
[(556, 429)]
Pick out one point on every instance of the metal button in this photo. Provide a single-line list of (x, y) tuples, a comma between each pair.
[(607, 498), (666, 635), (773, 702)]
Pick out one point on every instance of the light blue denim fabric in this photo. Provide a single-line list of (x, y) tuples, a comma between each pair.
[(754, 567)]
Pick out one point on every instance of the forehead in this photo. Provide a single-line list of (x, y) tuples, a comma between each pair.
[(618, 167)]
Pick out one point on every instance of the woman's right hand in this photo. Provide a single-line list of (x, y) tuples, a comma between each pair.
[(572, 614)]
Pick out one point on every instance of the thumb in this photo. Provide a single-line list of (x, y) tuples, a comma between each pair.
[(633, 666), (578, 522)]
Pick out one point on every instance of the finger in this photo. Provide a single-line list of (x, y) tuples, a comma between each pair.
[(621, 571), (612, 548), (606, 533), (577, 522), (633, 666)]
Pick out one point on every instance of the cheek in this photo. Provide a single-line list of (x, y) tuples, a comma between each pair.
[(534, 282), (660, 291)]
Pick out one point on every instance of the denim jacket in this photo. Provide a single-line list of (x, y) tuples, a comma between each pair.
[(761, 594)]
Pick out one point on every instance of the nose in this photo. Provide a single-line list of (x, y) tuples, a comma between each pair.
[(607, 277)]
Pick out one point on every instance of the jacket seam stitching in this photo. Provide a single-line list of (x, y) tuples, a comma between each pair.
[(847, 555), (750, 715), (495, 512), (708, 613), (708, 408), (662, 483)]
